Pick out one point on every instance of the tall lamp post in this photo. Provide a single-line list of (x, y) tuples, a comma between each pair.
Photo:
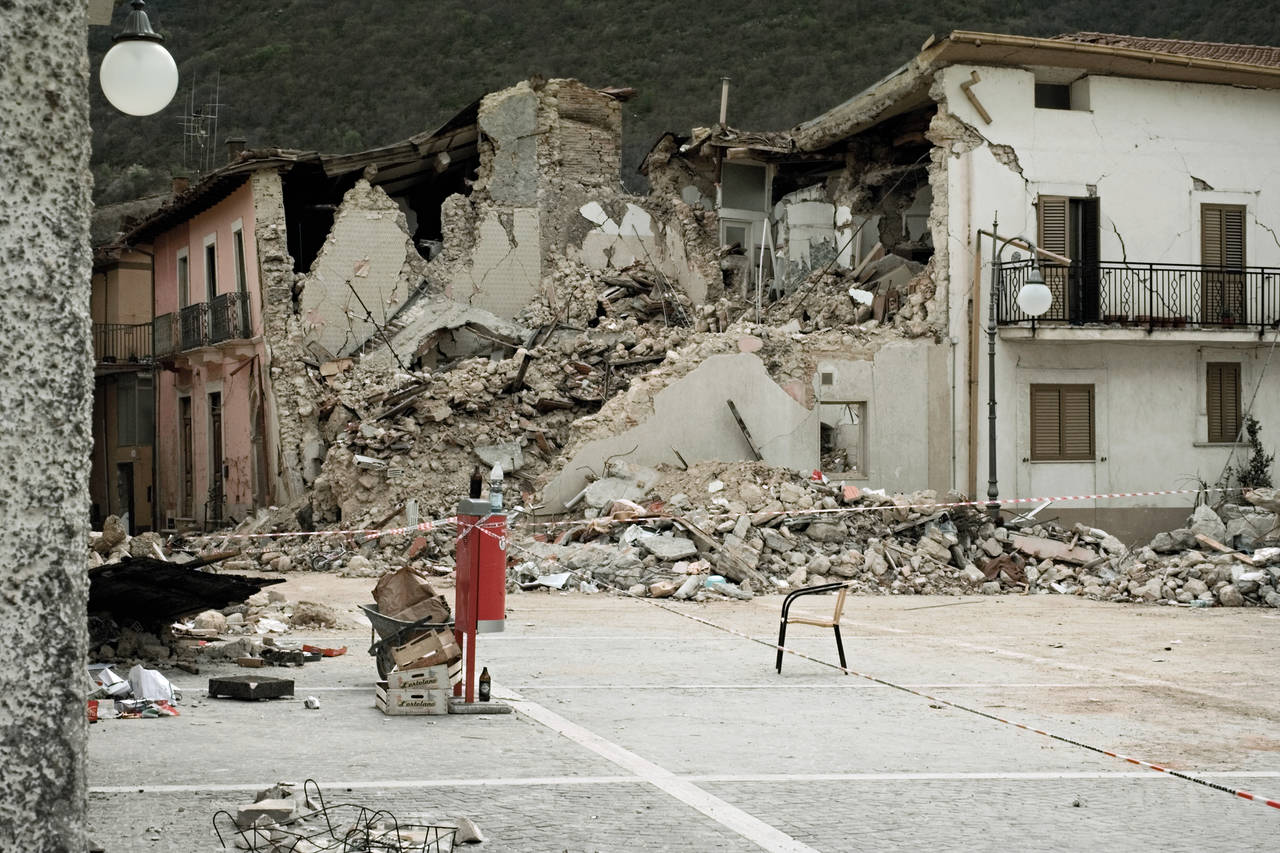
[(1034, 298)]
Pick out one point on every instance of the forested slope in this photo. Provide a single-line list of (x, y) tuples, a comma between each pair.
[(341, 75)]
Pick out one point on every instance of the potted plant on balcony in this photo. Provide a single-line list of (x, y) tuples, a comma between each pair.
[(1227, 319)]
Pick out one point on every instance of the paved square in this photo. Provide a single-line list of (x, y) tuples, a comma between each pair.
[(638, 729)]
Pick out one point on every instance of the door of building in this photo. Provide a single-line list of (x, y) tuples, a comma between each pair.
[(213, 509), (187, 503), (1069, 226), (124, 492)]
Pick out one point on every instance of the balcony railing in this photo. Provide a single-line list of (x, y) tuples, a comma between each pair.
[(193, 323), (202, 324), (229, 317), (1147, 296), (122, 342)]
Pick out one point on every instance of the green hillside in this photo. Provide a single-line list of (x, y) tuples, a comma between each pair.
[(340, 75)]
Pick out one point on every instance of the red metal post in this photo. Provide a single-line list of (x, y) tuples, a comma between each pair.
[(481, 583)]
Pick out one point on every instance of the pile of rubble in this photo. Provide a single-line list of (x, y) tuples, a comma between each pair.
[(744, 528), (419, 433), (885, 289)]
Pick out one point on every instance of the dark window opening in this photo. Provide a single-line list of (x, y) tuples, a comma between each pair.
[(1053, 96)]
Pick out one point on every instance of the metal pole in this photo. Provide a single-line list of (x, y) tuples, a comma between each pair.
[(993, 490)]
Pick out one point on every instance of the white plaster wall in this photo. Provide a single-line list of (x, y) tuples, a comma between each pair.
[(1138, 148), (370, 247), (505, 268), (895, 387), (611, 245), (692, 416), (1150, 423)]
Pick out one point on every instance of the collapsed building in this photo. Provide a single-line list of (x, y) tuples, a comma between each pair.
[(810, 299), (276, 269)]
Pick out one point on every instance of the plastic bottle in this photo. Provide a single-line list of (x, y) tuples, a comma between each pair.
[(495, 488), (485, 687)]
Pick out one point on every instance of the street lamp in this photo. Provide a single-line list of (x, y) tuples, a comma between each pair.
[(1034, 298), (138, 75)]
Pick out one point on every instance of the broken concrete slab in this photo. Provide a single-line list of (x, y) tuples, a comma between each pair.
[(682, 419), (669, 548), (510, 455)]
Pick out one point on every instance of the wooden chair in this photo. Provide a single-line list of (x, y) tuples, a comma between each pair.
[(833, 622)]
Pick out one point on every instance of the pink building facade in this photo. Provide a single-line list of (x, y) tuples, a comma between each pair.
[(213, 383)]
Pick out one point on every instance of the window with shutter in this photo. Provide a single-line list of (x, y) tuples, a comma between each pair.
[(1222, 400), (1054, 215), (1062, 423), (1222, 255)]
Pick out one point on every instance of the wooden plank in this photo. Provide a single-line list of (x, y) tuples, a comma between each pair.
[(745, 433), (1218, 546)]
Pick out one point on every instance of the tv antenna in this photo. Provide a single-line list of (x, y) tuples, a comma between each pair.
[(200, 131)]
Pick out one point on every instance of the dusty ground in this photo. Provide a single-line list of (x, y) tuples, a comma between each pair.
[(639, 729)]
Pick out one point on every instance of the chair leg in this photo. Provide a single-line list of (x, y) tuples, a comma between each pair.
[(840, 649), (782, 639)]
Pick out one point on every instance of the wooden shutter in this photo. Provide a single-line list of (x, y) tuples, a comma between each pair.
[(1062, 423), (1052, 211), (1222, 249), (1222, 400), (1077, 421), (1045, 424)]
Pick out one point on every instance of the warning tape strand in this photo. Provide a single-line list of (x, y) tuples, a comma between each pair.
[(375, 533)]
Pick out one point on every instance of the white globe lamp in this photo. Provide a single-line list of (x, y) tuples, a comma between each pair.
[(1035, 297), (138, 75)]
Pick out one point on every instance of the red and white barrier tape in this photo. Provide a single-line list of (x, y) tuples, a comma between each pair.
[(1236, 792), (366, 533), (374, 533)]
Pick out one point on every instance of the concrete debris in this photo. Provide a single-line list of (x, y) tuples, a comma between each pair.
[(769, 529)]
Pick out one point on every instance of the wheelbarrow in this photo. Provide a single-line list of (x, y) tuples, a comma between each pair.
[(386, 633)]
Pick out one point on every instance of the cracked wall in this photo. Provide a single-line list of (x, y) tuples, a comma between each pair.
[(368, 261)]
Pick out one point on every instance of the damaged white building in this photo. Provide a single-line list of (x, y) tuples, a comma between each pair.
[(1144, 162)]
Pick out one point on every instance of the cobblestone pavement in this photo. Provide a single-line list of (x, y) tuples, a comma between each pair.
[(646, 731)]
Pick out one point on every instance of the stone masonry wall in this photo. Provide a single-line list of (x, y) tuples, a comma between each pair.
[(293, 431), (369, 246), (46, 390)]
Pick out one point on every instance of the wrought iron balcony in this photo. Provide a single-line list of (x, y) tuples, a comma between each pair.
[(121, 342), (202, 324), (193, 322), (1146, 296), (229, 317)]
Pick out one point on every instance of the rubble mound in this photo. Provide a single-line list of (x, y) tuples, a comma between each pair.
[(764, 529)]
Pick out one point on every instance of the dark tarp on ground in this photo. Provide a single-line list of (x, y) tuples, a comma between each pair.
[(142, 589)]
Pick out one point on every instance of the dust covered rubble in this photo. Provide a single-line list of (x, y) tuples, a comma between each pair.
[(761, 529)]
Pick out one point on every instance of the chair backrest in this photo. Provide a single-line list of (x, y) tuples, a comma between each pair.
[(835, 617)]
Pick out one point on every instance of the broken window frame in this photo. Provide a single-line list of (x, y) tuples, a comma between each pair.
[(861, 467)]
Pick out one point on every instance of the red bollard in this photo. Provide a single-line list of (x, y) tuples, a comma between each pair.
[(481, 573)]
